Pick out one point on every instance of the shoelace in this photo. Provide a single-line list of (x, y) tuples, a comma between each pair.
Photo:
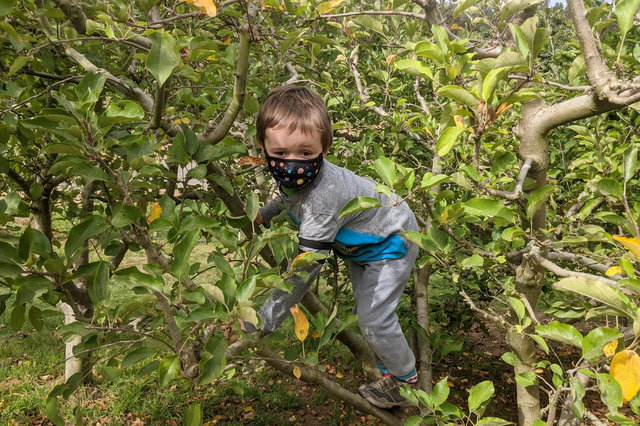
[(385, 384)]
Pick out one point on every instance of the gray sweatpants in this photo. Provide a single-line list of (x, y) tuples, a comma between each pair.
[(377, 287)]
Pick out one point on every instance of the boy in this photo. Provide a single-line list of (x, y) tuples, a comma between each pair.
[(294, 132)]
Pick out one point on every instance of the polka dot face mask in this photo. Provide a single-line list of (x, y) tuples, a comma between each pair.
[(294, 174)]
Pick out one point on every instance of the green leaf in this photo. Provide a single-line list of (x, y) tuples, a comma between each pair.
[(496, 421), (194, 415), (610, 392), (491, 80), (245, 290), (18, 63), (607, 187), (487, 207), (97, 284), (596, 339), (564, 333), (147, 280), (122, 111), (540, 341), (211, 368), (125, 215), (168, 369), (17, 318), (386, 170), (630, 160), (89, 173), (34, 241), (357, 205), (252, 206), (429, 180), (430, 50), (6, 6), (578, 68), (368, 21), (462, 6), (448, 139), (595, 289), (527, 378), (440, 392), (181, 253), (321, 39), (517, 306), (514, 6), (626, 12), (328, 6), (163, 57), (540, 39), (511, 359), (480, 394), (135, 356), (460, 95), (475, 260), (52, 411), (90, 88), (538, 199), (414, 67), (80, 233)]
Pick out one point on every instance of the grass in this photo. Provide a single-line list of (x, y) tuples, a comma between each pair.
[(257, 395)]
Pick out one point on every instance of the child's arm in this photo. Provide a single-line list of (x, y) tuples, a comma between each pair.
[(276, 309), (270, 211)]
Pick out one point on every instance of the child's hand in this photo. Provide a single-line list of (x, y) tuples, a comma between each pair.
[(259, 220)]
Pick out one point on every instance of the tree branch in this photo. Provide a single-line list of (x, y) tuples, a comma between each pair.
[(213, 133), (552, 267), (311, 375), (74, 12), (517, 192)]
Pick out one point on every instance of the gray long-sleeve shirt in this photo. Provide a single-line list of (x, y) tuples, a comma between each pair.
[(366, 236)]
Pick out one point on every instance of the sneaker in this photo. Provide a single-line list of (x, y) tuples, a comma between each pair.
[(385, 393)]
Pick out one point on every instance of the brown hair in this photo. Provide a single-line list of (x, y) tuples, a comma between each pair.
[(297, 108)]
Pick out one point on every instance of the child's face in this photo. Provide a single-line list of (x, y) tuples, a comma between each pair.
[(280, 143)]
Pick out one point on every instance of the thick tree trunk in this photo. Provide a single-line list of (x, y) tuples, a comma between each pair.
[(425, 354), (529, 276)]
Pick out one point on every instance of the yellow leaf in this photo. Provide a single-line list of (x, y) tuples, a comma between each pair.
[(301, 323), (459, 121), (206, 6), (155, 213), (339, 375), (227, 40), (625, 368), (248, 408), (631, 244), (427, 131), (610, 348), (316, 335), (614, 270), (391, 58), (539, 370), (328, 6), (444, 217), (306, 259), (297, 372), (455, 27), (185, 120)]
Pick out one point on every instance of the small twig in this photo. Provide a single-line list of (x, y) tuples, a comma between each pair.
[(550, 266), (126, 330), (517, 192), (553, 84), (485, 314), (122, 342), (370, 12)]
